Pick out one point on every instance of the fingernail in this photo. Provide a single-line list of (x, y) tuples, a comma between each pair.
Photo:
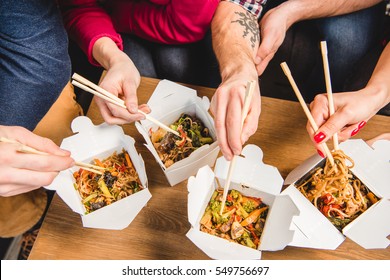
[(355, 131), (133, 109), (320, 153), (361, 124), (319, 137)]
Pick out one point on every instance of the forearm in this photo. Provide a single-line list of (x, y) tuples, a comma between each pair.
[(299, 10), (379, 83), (106, 52), (236, 39)]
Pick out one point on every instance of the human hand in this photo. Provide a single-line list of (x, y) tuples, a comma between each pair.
[(273, 28), (122, 79), (352, 111), (226, 106), (22, 172)]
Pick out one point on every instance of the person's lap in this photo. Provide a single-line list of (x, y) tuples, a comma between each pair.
[(349, 38), (188, 63)]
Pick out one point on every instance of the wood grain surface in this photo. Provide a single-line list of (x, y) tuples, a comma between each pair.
[(158, 231)]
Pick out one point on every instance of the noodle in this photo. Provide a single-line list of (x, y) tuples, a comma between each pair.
[(336, 192), (119, 180), (172, 148), (241, 222)]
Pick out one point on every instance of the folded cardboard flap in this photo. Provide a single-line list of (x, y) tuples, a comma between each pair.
[(221, 249), (371, 229)]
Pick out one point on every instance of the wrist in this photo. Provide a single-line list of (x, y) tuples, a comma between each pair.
[(379, 94), (106, 52)]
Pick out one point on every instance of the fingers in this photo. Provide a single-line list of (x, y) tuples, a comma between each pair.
[(30, 139), (130, 93), (16, 181), (218, 109), (233, 123), (226, 106), (44, 163), (251, 122), (265, 53)]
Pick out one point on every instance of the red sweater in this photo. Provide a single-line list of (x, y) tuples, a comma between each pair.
[(163, 21)]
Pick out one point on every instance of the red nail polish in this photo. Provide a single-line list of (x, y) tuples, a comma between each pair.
[(354, 132), (319, 137), (361, 124), (320, 153)]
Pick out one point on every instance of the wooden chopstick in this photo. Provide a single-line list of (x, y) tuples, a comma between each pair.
[(29, 150), (90, 87), (248, 97), (324, 51), (313, 124)]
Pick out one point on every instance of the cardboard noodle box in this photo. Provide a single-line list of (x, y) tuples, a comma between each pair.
[(168, 101), (371, 228), (101, 141), (262, 181)]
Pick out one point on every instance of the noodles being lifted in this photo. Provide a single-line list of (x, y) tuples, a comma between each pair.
[(241, 222), (336, 192), (172, 148), (119, 180)]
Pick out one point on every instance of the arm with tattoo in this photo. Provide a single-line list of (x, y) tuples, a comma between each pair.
[(236, 37)]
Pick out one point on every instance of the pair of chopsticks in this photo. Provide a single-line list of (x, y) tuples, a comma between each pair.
[(90, 87), (287, 72), (29, 150), (248, 97)]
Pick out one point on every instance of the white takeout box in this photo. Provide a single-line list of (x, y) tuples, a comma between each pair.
[(265, 182), (168, 101), (100, 142), (371, 228)]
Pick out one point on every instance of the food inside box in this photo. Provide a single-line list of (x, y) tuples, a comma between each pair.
[(172, 148), (242, 220), (118, 180), (335, 191)]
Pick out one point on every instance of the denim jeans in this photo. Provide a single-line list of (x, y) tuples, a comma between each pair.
[(193, 63), (34, 60)]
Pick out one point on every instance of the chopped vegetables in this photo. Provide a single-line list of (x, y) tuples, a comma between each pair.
[(235, 224), (172, 148), (118, 181)]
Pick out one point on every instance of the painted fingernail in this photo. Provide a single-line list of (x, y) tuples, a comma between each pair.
[(320, 153), (355, 131), (319, 137), (361, 124)]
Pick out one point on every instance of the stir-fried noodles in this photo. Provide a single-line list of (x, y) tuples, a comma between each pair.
[(119, 180), (336, 192), (242, 220), (172, 148)]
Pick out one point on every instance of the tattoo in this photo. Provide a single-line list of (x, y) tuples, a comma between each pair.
[(251, 27)]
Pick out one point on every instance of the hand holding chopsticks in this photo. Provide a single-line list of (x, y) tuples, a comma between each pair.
[(29, 150), (313, 124), (248, 97), (90, 87)]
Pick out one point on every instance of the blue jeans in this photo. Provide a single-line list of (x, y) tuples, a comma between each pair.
[(188, 63), (34, 60), (349, 38)]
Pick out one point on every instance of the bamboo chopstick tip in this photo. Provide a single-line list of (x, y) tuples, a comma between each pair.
[(285, 69)]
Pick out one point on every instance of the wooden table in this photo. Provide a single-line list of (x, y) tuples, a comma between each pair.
[(158, 232)]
